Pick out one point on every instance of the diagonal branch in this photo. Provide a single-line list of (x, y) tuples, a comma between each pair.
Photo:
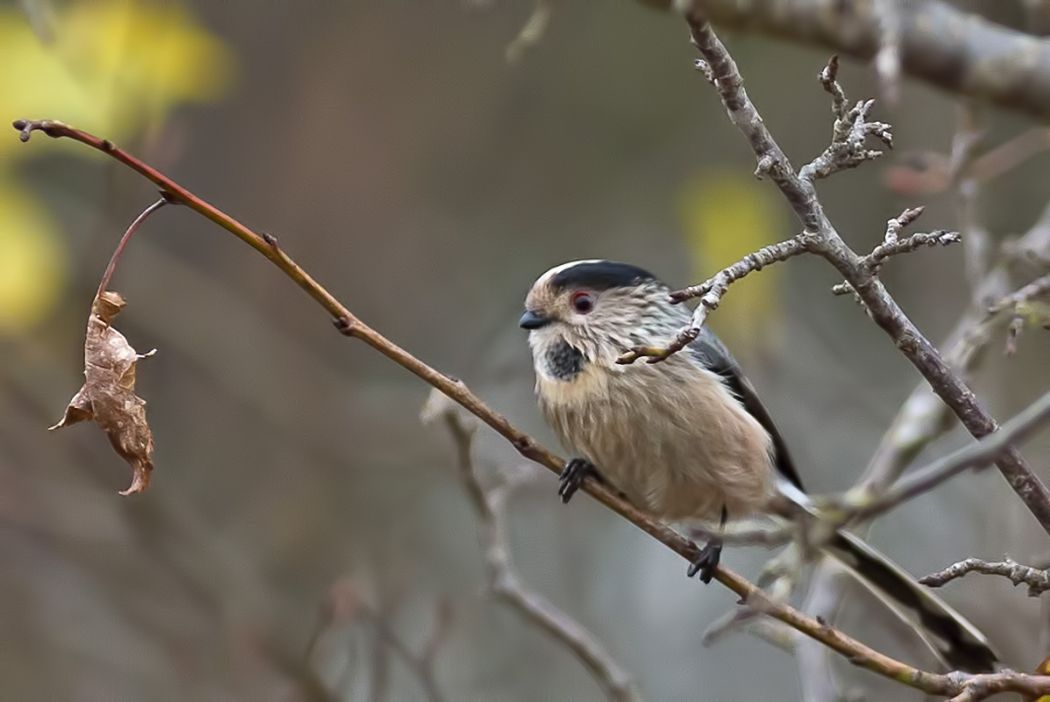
[(865, 502), (922, 417), (856, 652)]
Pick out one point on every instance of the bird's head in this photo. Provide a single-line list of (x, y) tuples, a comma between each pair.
[(592, 311)]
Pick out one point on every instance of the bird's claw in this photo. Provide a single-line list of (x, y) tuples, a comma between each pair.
[(706, 562), (572, 476)]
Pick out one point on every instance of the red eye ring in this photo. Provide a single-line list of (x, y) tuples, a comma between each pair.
[(582, 301)]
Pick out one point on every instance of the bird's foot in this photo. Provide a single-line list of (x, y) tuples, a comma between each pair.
[(572, 476), (706, 562)]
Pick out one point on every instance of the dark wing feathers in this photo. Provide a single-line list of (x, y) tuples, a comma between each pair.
[(713, 354), (955, 642)]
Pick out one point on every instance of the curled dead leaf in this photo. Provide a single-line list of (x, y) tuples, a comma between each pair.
[(108, 394)]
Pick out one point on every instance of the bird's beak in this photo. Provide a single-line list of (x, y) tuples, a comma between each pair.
[(533, 320)]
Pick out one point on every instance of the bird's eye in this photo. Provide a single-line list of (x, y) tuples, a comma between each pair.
[(582, 302)]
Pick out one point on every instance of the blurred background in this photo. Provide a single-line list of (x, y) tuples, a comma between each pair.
[(426, 180)]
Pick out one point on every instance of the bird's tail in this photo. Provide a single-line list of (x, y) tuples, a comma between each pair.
[(956, 642)]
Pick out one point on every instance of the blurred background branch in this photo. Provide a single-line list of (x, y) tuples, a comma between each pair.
[(934, 40), (503, 581)]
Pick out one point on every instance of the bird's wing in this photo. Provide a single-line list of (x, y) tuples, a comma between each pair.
[(712, 353), (955, 641)]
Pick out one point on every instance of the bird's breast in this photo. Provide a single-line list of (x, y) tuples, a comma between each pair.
[(670, 435)]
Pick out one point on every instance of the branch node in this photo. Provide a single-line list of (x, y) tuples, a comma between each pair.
[(710, 293), (704, 68), (765, 166), (26, 127), (850, 130), (345, 325)]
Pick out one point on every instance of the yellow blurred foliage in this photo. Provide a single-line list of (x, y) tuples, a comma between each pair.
[(113, 67), (34, 262), (725, 217)]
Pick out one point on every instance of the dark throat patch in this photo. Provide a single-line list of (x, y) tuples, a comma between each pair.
[(564, 361)]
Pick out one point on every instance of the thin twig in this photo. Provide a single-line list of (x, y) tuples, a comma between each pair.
[(711, 291), (1036, 288), (1037, 580), (1022, 311), (850, 131), (421, 664), (103, 284), (893, 245), (886, 250), (348, 324), (504, 582)]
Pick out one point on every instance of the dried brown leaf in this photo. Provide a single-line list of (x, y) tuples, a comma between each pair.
[(108, 395)]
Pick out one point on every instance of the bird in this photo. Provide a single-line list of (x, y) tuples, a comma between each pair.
[(687, 439)]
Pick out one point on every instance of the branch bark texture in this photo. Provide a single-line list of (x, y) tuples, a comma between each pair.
[(936, 42), (1037, 580)]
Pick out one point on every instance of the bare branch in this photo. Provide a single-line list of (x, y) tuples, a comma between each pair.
[(893, 245), (1023, 311), (884, 251), (863, 502), (350, 325), (711, 291), (881, 307), (1036, 288), (888, 59), (850, 132), (1037, 580), (421, 664), (343, 606), (942, 44), (923, 417), (504, 581)]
